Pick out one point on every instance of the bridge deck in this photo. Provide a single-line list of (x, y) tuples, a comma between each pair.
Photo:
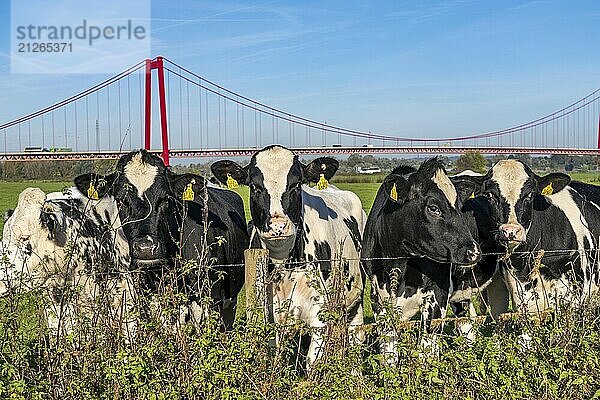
[(247, 152)]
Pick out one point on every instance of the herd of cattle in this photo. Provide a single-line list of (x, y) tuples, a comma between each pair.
[(429, 241)]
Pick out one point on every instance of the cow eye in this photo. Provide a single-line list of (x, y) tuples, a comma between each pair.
[(434, 210), (255, 187)]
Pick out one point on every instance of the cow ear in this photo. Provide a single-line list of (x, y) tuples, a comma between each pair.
[(467, 186), (229, 173), (396, 188), (94, 186), (186, 187), (7, 214), (553, 183), (325, 166)]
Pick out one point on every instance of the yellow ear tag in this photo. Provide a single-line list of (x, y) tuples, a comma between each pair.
[(547, 191), (394, 193), (231, 183), (472, 196), (322, 184), (188, 193), (92, 192)]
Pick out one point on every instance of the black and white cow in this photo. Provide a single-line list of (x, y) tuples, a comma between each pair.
[(176, 222), (484, 275), (416, 244), (304, 229), (549, 227), (71, 248)]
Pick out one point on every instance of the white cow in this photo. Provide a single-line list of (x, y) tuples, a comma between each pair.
[(74, 250)]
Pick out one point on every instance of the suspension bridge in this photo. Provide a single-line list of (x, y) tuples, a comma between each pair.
[(199, 118)]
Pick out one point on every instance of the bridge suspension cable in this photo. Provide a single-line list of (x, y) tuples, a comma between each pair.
[(110, 107), (286, 116), (199, 117)]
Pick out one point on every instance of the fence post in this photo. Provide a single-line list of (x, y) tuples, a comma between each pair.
[(257, 293)]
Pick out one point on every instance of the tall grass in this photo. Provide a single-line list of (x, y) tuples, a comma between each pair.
[(171, 361)]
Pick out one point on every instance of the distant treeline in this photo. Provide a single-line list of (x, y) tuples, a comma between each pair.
[(349, 165), (51, 170), (66, 170)]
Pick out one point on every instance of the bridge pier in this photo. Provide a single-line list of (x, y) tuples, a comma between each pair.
[(157, 64)]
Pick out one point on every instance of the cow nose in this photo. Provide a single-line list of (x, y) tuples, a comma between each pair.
[(474, 254), (512, 232), (146, 248), (279, 225)]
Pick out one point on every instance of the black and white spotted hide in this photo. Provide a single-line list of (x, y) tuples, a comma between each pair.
[(549, 227), (304, 229), (71, 248), (416, 243), (175, 223)]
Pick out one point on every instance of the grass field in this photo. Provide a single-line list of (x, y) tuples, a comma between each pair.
[(9, 193), (364, 186)]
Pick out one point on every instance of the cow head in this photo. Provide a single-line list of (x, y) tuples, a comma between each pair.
[(52, 235), (511, 189), (33, 241), (275, 177), (147, 195), (424, 212)]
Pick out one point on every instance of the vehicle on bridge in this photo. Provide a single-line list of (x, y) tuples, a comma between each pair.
[(34, 149), (368, 170), (38, 149)]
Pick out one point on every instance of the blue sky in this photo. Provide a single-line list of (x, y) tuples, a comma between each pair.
[(422, 69)]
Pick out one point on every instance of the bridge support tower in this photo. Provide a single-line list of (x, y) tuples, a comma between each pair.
[(158, 65)]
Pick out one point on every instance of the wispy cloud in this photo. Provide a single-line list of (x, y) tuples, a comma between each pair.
[(227, 12), (527, 4), (423, 11)]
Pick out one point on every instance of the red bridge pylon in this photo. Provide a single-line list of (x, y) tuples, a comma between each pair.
[(156, 64)]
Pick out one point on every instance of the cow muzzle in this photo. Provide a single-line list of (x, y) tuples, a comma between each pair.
[(468, 255), (473, 255), (147, 249), (511, 235), (280, 238), (280, 228)]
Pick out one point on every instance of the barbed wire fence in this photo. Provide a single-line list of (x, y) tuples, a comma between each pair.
[(259, 289), (259, 280), (260, 286)]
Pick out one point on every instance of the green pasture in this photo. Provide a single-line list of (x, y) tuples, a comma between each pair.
[(364, 186), (588, 177), (9, 193)]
